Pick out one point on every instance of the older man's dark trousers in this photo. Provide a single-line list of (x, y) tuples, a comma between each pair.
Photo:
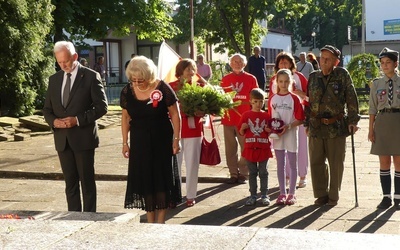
[(78, 170), (322, 175)]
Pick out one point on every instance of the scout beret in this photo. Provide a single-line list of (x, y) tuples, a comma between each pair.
[(332, 49), (392, 54)]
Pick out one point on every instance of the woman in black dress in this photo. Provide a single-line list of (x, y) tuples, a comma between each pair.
[(151, 118)]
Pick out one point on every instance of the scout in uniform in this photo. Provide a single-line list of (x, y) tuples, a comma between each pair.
[(332, 114), (384, 120)]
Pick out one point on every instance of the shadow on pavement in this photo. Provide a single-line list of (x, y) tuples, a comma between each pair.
[(377, 218)]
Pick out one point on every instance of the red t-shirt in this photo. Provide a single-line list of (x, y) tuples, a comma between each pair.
[(190, 126), (257, 146), (242, 83)]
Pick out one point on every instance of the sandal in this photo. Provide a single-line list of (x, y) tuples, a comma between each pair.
[(281, 199), (190, 203), (291, 199)]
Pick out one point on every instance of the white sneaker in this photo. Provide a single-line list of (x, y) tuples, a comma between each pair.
[(265, 200), (302, 183), (251, 201)]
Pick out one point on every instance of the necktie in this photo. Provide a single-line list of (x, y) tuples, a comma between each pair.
[(67, 90), (390, 93)]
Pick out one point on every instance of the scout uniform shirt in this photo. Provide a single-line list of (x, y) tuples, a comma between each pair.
[(379, 94)]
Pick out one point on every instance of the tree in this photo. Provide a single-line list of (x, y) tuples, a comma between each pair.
[(24, 61), (328, 18), (363, 68), (232, 25), (94, 18)]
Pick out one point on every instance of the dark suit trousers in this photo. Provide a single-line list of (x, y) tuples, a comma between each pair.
[(79, 166)]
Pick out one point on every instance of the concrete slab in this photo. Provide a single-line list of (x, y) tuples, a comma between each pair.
[(35, 121), (8, 121), (71, 234), (22, 137)]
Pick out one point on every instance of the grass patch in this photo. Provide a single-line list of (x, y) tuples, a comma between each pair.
[(364, 107), (114, 108)]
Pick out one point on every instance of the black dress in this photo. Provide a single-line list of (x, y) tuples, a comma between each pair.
[(153, 180)]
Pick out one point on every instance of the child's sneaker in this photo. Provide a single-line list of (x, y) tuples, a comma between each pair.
[(265, 200), (291, 199), (302, 183), (251, 201), (281, 199)]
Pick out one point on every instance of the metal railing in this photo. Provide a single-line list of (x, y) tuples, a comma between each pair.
[(113, 93)]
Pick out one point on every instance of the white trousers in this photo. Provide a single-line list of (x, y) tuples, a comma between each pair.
[(190, 150)]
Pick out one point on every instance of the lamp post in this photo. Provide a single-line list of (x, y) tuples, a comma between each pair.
[(313, 34)]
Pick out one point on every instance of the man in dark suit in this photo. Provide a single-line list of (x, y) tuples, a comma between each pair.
[(75, 99)]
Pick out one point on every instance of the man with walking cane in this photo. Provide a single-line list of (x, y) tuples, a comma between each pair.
[(331, 116)]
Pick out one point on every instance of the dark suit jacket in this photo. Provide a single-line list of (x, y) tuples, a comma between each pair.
[(87, 102)]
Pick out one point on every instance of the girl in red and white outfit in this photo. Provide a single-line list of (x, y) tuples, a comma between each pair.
[(285, 60), (190, 131), (287, 107)]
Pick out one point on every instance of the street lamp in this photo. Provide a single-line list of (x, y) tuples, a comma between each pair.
[(313, 34)]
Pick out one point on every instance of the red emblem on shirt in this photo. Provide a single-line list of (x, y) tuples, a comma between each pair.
[(156, 96)]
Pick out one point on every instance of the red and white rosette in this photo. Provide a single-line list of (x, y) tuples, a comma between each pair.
[(156, 96)]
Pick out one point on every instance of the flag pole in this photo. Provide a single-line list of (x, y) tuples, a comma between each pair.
[(191, 31)]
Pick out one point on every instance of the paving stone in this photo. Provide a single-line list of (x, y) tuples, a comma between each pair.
[(35, 121), (6, 137), (219, 220), (22, 137), (8, 121), (23, 130)]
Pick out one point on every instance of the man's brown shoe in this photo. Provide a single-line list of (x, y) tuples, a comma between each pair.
[(321, 200), (332, 202), (242, 179), (232, 180)]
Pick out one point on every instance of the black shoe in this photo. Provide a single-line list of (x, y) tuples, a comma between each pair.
[(321, 201), (385, 203), (397, 204)]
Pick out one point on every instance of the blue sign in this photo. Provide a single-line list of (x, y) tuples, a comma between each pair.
[(391, 27)]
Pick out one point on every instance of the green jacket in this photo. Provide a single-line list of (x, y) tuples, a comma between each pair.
[(331, 96)]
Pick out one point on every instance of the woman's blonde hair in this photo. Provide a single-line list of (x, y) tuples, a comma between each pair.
[(143, 68)]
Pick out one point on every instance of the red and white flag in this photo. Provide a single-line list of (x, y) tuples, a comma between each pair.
[(167, 61)]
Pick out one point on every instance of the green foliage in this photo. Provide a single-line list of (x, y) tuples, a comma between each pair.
[(206, 100), (328, 18), (363, 69), (200, 45), (24, 63), (219, 69), (94, 18), (233, 25)]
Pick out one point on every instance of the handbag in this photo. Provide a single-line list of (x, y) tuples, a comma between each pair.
[(209, 150)]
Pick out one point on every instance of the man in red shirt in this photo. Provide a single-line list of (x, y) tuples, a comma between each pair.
[(242, 83)]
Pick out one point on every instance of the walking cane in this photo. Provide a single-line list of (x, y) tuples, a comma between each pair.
[(354, 164)]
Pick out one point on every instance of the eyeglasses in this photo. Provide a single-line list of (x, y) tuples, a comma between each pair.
[(139, 81)]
